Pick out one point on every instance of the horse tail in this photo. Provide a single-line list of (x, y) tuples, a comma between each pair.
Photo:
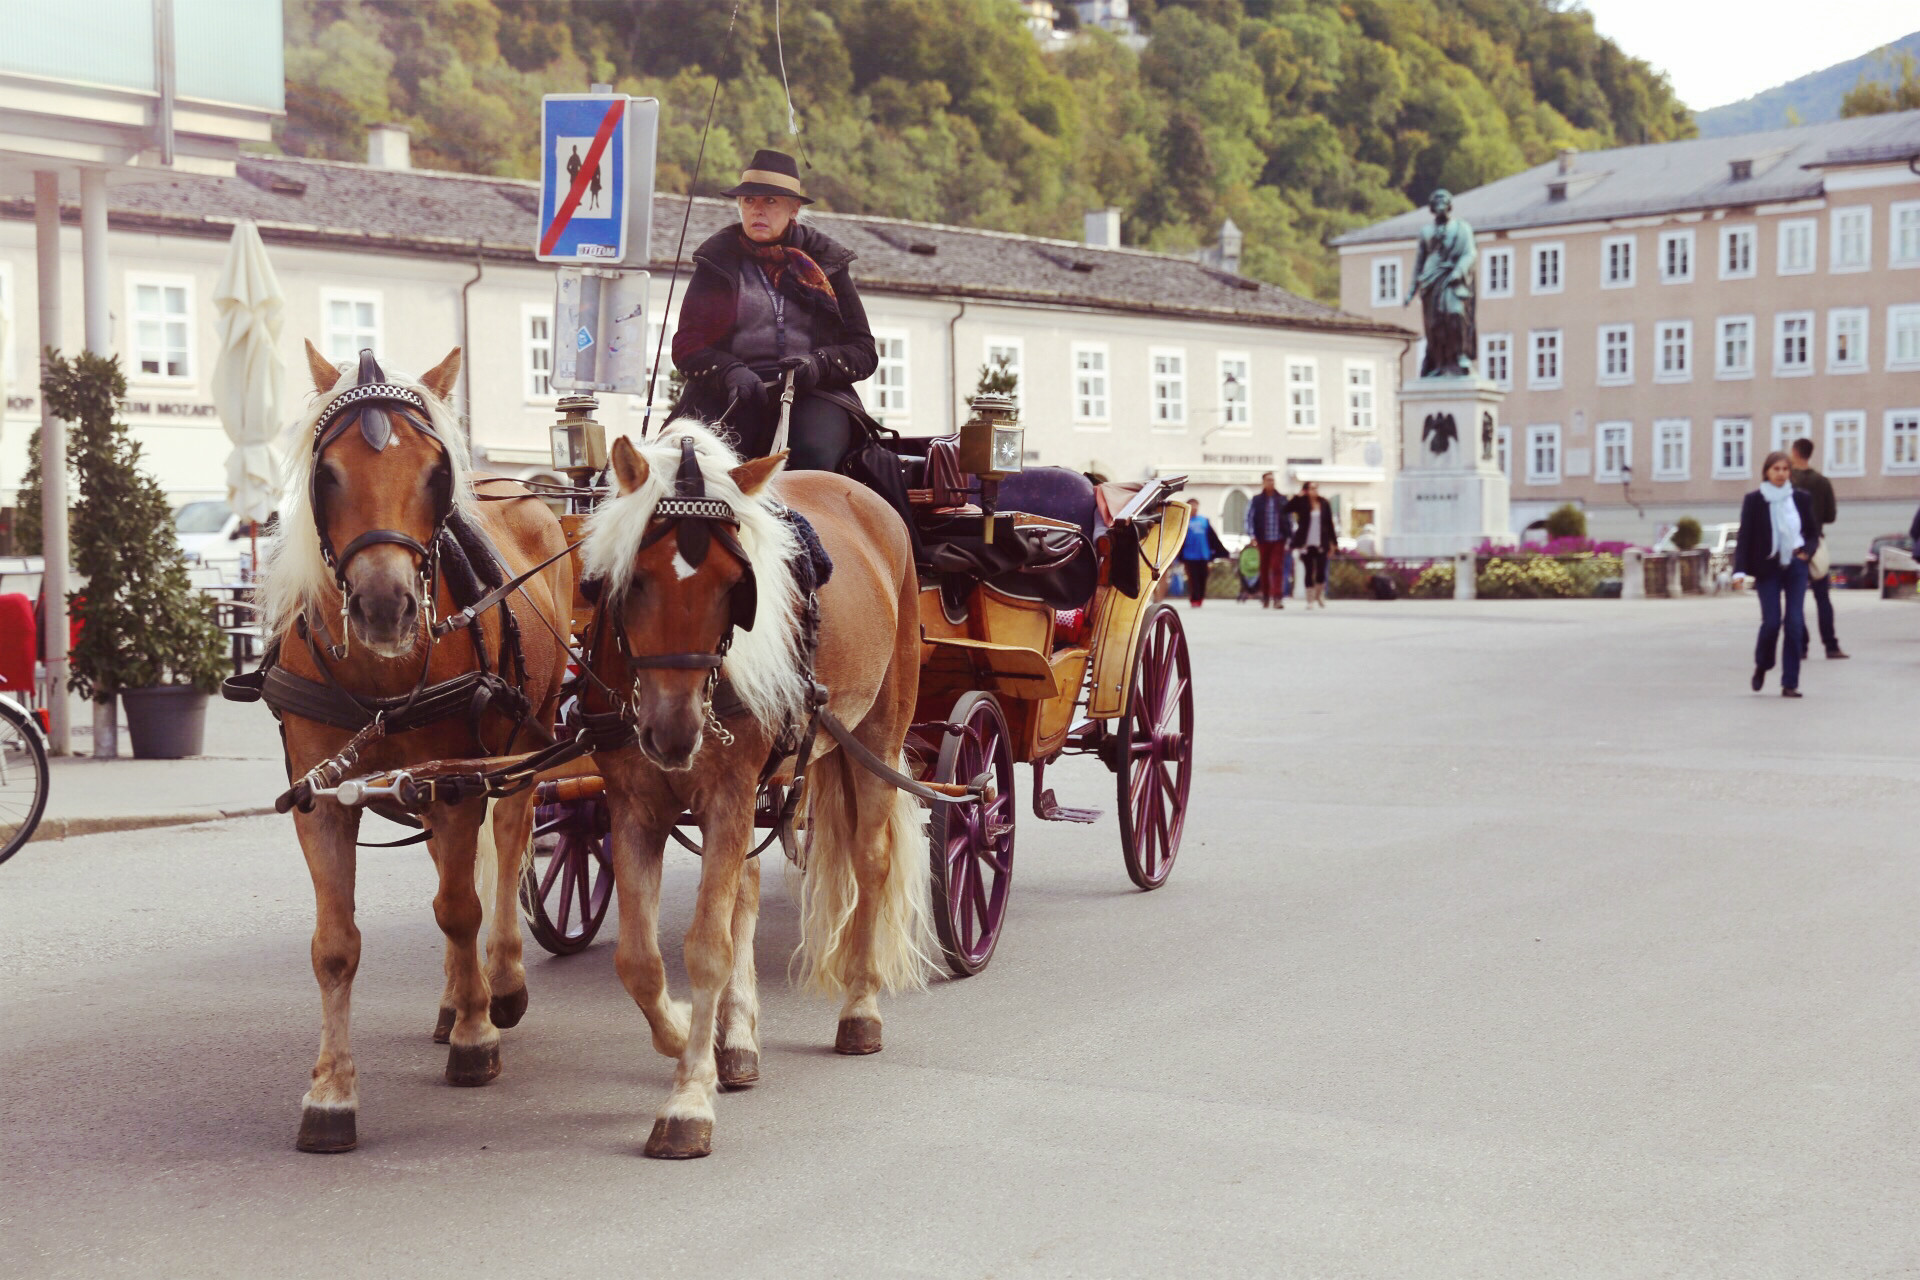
[(486, 863)]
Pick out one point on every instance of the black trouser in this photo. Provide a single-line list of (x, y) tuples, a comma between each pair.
[(1197, 572), (1823, 606), (1314, 561), (819, 433)]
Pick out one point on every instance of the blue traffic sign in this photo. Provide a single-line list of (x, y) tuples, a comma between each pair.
[(596, 178)]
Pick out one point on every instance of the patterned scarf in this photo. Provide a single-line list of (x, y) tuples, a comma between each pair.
[(779, 260)]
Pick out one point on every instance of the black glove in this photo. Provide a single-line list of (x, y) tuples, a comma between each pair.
[(745, 387), (806, 370)]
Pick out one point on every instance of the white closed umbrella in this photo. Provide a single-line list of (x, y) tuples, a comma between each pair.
[(247, 374)]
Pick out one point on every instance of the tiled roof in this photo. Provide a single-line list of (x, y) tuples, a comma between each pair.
[(1671, 177), (451, 214)]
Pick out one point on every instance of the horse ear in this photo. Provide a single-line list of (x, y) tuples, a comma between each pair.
[(324, 374), (752, 476), (629, 468), (440, 378)]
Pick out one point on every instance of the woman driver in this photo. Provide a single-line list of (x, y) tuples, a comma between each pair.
[(768, 295)]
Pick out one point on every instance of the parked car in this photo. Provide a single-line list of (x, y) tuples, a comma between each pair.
[(1717, 538), (212, 533), (1869, 576)]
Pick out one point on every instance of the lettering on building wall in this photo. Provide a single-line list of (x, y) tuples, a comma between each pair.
[(20, 404), (1237, 459), (167, 409)]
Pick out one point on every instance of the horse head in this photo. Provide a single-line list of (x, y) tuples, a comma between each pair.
[(380, 494)]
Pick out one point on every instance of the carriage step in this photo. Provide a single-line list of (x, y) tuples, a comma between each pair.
[(1047, 809)]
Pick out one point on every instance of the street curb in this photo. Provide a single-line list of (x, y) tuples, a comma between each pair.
[(65, 828)]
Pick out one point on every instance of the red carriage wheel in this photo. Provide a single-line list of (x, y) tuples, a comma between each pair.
[(972, 844), (564, 891), (1156, 763)]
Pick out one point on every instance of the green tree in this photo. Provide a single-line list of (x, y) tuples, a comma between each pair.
[(1878, 97)]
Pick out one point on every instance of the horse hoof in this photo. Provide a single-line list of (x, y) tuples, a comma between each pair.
[(470, 1065), (680, 1138), (507, 1010), (858, 1036), (443, 1029), (739, 1068), (326, 1130)]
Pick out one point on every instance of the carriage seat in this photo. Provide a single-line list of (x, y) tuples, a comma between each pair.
[(1054, 492)]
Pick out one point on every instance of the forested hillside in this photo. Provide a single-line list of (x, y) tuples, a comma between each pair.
[(1816, 97), (1298, 118)]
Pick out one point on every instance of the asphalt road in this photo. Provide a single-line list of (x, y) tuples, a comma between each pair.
[(1507, 940)]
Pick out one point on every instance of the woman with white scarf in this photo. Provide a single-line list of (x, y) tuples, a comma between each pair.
[(1778, 535)]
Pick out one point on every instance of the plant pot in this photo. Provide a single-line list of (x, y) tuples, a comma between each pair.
[(166, 721)]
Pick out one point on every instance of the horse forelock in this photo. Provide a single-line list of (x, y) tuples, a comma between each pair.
[(295, 574), (764, 663)]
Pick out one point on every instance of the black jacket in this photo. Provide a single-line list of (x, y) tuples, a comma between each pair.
[(1302, 513), (1753, 551), (1821, 490)]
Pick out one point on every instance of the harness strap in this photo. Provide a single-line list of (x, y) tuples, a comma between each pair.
[(879, 768)]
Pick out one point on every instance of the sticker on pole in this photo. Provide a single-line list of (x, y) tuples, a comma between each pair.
[(596, 178)]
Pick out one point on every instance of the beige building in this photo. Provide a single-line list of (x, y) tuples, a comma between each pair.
[(1663, 316)]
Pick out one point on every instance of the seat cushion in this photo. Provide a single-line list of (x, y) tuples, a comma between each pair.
[(1054, 492)]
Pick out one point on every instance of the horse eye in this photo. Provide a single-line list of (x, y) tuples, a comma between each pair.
[(329, 475)]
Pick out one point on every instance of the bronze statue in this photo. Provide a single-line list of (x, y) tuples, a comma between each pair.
[(1443, 277)]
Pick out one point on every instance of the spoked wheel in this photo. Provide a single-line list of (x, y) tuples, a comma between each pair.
[(564, 891), (23, 779), (1156, 766), (972, 844)]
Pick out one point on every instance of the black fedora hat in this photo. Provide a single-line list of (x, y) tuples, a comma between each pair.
[(772, 173)]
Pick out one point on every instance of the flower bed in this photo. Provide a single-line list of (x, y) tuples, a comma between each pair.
[(1508, 575)]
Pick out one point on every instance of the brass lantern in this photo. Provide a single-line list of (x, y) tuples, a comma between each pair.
[(992, 442), (579, 442)]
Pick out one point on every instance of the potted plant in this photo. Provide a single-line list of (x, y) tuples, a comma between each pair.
[(145, 635)]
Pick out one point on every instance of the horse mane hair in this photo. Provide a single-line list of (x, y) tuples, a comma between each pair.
[(295, 576), (764, 662)]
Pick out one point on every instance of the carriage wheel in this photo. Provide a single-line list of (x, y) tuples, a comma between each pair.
[(972, 844), (1156, 767), (564, 891)]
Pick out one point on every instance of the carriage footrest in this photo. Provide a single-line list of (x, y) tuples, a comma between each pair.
[(1047, 809)]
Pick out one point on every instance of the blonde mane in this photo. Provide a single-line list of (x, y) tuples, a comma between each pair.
[(764, 663), (295, 575)]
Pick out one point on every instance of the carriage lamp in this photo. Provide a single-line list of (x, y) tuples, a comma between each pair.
[(579, 442), (993, 447)]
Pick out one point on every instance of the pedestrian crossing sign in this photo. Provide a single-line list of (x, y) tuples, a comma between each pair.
[(596, 178)]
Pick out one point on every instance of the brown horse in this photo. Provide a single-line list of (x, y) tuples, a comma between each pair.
[(363, 508), (668, 615)]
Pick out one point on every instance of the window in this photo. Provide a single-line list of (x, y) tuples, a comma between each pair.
[(1543, 455), (1616, 262), (1736, 253), (1847, 340), (1797, 246), (1904, 246), (1903, 337), (1672, 439), (1733, 347), (1616, 355), (1233, 512), (1676, 257), (1903, 441), (1498, 274), (1731, 437), (1236, 389), (1496, 359), (1503, 450), (1012, 350), (1852, 238), (1089, 382), (350, 323), (1386, 282), (1846, 451), (1360, 397), (1547, 260), (1616, 450), (1793, 344), (889, 382), (1543, 362), (1676, 351), (1303, 395), (161, 308), (1788, 427), (536, 345), (1169, 387)]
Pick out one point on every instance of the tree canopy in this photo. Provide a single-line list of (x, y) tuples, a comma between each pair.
[(1299, 119)]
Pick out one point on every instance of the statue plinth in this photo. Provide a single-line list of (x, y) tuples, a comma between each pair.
[(1450, 494)]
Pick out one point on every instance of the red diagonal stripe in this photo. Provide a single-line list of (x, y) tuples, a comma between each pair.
[(580, 179)]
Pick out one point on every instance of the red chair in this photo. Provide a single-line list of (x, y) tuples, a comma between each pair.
[(19, 645)]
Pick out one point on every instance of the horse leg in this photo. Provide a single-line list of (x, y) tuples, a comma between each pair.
[(327, 1111), (639, 843), (473, 1045), (886, 944), (512, 830), (737, 1040), (683, 1127), (443, 1023)]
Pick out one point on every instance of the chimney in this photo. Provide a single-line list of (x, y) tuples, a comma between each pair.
[(1103, 228), (1566, 159), (388, 146), (1231, 241)]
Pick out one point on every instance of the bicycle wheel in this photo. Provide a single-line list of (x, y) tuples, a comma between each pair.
[(23, 779)]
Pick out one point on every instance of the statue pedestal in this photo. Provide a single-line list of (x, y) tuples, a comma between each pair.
[(1450, 494)]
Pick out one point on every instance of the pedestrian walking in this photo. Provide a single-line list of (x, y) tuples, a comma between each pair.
[(1314, 539), (1202, 548), (1271, 528), (1826, 510), (1779, 531)]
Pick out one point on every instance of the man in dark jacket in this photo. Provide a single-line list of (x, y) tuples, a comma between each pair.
[(1825, 510), (1271, 529)]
